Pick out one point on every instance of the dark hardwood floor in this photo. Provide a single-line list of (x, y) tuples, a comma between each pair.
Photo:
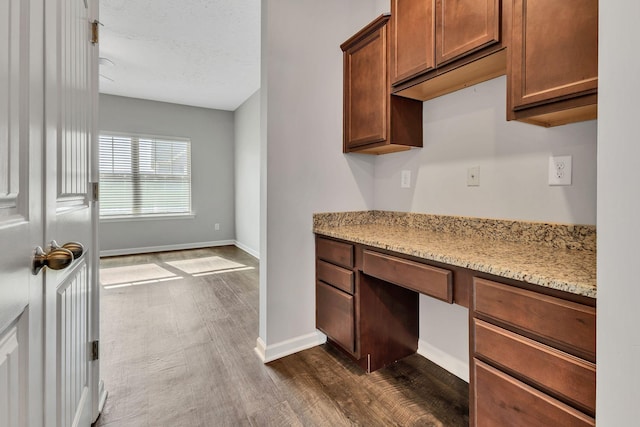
[(178, 332)]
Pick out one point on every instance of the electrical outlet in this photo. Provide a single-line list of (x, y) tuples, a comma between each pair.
[(560, 170), (216, 227), (473, 176), (405, 179)]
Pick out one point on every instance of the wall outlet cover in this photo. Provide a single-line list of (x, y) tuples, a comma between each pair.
[(560, 170)]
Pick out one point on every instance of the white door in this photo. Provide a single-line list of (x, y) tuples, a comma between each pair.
[(70, 86), (21, 227), (48, 98)]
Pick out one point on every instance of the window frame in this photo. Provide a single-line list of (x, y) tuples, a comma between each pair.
[(146, 216)]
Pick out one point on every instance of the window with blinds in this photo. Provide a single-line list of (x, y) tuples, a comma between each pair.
[(144, 176)]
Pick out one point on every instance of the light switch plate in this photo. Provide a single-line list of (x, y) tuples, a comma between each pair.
[(405, 179), (473, 176)]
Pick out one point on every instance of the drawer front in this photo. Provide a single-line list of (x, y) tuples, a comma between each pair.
[(336, 276), (565, 376), (335, 252), (501, 400), (335, 315), (428, 280), (568, 324)]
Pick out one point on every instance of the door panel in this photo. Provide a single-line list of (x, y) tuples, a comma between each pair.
[(69, 91), (21, 117), (73, 334), (9, 378), (14, 207), (47, 93)]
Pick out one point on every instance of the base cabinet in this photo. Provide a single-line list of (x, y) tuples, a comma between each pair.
[(532, 351), (533, 358), (372, 321)]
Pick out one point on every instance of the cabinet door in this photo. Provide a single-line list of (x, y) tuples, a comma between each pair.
[(554, 50), (366, 91), (463, 26), (412, 38), (335, 313)]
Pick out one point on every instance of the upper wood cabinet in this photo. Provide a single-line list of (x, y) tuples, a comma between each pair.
[(412, 47), (464, 26), (553, 61), (375, 122), (432, 39)]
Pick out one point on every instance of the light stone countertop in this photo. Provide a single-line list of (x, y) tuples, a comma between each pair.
[(538, 263)]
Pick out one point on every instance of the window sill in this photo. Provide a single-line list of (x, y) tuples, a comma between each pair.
[(160, 217)]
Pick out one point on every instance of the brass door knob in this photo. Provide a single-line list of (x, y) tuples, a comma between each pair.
[(55, 259), (76, 248)]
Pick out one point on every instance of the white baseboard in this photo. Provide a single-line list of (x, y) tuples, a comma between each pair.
[(102, 399), (457, 367), (269, 353), (165, 248), (248, 250)]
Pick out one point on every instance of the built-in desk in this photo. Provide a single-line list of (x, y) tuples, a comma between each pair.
[(530, 289)]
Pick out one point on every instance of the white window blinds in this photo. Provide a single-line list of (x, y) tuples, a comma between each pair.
[(143, 176)]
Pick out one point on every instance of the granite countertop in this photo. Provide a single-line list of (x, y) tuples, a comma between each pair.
[(557, 256)]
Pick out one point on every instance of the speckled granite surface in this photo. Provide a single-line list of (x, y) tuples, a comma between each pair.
[(558, 256)]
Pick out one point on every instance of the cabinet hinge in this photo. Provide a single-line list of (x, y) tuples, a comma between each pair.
[(95, 191), (95, 350)]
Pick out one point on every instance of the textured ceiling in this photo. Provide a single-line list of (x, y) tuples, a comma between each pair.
[(204, 53)]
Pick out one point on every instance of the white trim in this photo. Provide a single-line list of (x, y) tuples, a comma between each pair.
[(269, 353), (148, 217), (457, 367), (248, 250), (260, 349), (102, 393), (165, 248)]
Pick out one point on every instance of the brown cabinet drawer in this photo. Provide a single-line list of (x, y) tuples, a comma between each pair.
[(565, 376), (501, 400), (432, 281), (336, 276), (568, 325), (335, 252), (335, 315)]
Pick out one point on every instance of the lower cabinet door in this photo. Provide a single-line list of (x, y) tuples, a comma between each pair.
[(501, 400), (335, 315)]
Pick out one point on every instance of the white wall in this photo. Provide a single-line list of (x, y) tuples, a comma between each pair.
[(212, 140), (306, 171), (468, 128), (247, 175), (618, 377)]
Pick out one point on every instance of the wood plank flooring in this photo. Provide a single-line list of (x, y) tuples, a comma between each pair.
[(177, 339)]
